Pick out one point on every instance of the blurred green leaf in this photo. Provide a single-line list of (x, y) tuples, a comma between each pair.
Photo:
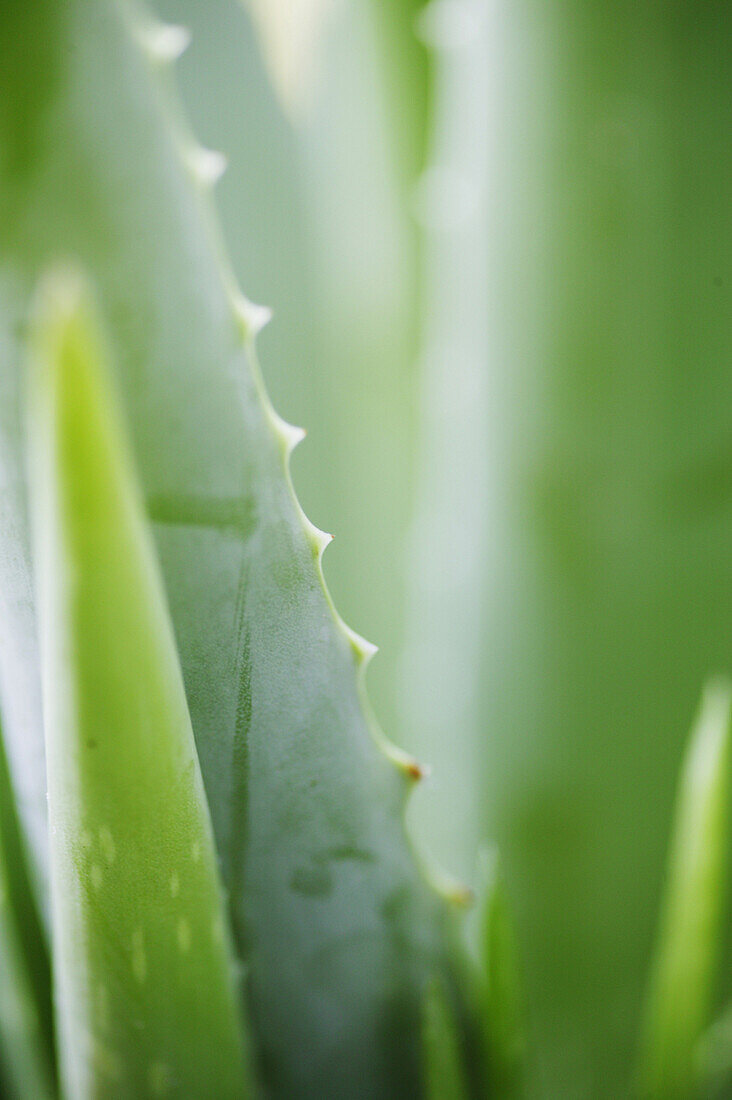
[(405, 73), (449, 545), (689, 943), (714, 1057), (291, 35), (442, 1053), (502, 1002), (572, 571)]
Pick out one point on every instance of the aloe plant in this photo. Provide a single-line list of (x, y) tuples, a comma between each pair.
[(221, 876), (338, 928)]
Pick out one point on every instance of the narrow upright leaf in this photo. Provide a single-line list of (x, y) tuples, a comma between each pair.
[(444, 1077), (714, 1057), (26, 1045), (447, 598), (502, 1008), (144, 993), (689, 938)]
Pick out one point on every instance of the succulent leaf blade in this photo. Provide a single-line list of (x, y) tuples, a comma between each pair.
[(143, 977), (689, 941)]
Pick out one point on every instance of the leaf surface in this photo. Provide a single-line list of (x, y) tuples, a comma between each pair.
[(689, 940)]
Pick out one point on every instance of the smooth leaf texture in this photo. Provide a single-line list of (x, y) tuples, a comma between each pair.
[(328, 907), (450, 545), (143, 976), (690, 937)]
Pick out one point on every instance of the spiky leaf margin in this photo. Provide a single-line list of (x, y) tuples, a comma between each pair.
[(326, 901)]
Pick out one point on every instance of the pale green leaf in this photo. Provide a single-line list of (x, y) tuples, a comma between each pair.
[(501, 1005), (689, 939), (442, 1050)]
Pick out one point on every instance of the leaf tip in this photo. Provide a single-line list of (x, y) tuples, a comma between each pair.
[(690, 932)]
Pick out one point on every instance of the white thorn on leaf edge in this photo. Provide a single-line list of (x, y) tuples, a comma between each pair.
[(207, 166), (251, 317), (365, 649), (163, 42), (319, 538), (289, 434)]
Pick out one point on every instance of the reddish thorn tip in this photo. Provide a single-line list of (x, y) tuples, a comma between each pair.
[(415, 770), (464, 897)]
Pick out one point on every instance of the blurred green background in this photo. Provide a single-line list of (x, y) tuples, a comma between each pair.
[(496, 238)]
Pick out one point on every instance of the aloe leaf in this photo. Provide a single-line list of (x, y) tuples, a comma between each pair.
[(444, 1075), (689, 943), (341, 353), (26, 1043), (145, 997), (327, 903)]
